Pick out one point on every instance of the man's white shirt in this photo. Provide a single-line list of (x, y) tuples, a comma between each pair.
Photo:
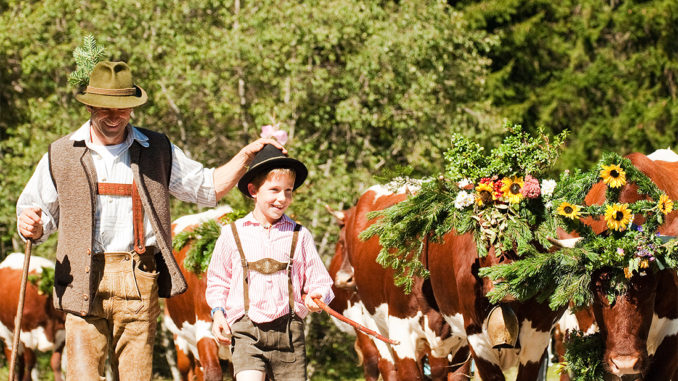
[(190, 181)]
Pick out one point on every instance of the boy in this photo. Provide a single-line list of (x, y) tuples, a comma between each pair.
[(261, 266)]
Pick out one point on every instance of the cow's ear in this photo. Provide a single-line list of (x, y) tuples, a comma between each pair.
[(340, 216)]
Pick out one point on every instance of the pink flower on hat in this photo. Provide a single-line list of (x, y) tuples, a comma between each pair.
[(531, 187), (274, 131)]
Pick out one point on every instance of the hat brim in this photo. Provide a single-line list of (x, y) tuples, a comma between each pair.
[(112, 101), (300, 170)]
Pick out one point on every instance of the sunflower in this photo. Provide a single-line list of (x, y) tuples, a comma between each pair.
[(665, 205), (511, 189), (570, 211), (484, 194), (613, 175), (618, 217)]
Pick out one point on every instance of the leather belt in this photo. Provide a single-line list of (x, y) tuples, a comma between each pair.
[(116, 189), (147, 260)]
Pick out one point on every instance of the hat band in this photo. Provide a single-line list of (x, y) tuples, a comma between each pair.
[(114, 92)]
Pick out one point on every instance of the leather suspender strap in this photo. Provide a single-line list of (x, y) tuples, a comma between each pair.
[(116, 189), (245, 269), (290, 265)]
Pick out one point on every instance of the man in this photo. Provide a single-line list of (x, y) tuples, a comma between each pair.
[(105, 188)]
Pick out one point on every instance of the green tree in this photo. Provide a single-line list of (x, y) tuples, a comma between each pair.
[(604, 70)]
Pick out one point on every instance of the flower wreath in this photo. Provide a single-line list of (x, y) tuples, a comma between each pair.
[(496, 196), (624, 249)]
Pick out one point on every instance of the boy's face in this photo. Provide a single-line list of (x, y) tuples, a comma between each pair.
[(273, 196)]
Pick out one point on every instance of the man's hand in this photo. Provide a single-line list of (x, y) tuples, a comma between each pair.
[(30, 223), (310, 303), (220, 328), (251, 149)]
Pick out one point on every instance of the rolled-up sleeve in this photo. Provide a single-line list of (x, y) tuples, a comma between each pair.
[(40, 192), (190, 181)]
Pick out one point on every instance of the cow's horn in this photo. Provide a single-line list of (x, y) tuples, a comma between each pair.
[(340, 216), (565, 243)]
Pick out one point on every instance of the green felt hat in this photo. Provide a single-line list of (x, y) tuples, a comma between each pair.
[(111, 86)]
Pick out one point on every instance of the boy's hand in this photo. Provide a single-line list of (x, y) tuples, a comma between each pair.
[(220, 328), (310, 303)]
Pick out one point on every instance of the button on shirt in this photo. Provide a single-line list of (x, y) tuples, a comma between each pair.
[(189, 181), (268, 294)]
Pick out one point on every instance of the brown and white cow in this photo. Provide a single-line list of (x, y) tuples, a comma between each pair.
[(42, 327), (187, 315), (410, 319), (347, 302), (640, 328), (459, 295)]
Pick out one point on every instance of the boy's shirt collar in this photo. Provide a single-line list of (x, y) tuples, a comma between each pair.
[(250, 220)]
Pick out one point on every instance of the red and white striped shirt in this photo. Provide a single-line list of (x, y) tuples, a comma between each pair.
[(268, 294)]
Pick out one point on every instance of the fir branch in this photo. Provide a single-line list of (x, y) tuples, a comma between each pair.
[(86, 57), (202, 239), (43, 281), (584, 356)]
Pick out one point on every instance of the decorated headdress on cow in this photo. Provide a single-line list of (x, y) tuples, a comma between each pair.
[(494, 194), (619, 238), (270, 158)]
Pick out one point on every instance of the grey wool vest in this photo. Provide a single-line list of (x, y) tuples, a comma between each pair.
[(75, 178)]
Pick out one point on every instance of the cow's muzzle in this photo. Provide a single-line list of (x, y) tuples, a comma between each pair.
[(345, 280)]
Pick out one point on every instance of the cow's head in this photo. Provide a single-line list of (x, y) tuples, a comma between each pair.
[(344, 276), (625, 322), (625, 319)]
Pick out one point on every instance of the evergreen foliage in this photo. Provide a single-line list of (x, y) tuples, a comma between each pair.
[(605, 70), (203, 239), (584, 356), (86, 57), (512, 222), (44, 281)]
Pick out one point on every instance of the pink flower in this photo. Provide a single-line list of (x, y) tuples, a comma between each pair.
[(531, 187), (273, 131)]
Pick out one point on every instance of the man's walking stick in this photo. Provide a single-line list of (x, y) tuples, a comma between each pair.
[(20, 309)]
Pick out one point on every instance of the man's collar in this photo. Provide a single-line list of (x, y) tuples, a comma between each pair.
[(83, 134)]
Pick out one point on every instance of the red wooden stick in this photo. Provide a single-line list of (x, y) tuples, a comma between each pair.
[(355, 325)]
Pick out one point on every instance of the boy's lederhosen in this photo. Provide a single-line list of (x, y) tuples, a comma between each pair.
[(276, 348)]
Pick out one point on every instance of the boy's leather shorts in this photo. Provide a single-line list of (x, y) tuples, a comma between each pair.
[(276, 348)]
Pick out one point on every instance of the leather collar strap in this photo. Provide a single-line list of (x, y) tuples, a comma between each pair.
[(116, 189)]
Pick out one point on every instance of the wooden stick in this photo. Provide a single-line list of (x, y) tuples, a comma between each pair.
[(20, 309), (355, 325)]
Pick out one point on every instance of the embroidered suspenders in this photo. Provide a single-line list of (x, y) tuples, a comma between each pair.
[(266, 266), (115, 189)]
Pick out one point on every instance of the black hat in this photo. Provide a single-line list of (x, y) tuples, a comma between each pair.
[(270, 158)]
